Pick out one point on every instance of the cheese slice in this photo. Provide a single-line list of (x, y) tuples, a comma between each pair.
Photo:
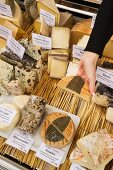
[(13, 116), (58, 68), (49, 6), (10, 3), (17, 19), (72, 69), (21, 100), (60, 37), (83, 41), (109, 114)]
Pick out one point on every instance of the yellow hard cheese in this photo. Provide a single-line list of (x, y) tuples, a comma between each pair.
[(50, 7)]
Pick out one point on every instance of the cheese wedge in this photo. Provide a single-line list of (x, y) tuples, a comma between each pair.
[(109, 114), (21, 100), (50, 7), (60, 37), (17, 19), (72, 69), (58, 68), (10, 116), (83, 41)]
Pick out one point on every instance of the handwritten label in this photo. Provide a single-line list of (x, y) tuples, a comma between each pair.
[(105, 77), (5, 10), (48, 17), (77, 51), (6, 115), (51, 155), (20, 140), (76, 167), (93, 20), (41, 41), (5, 32), (15, 46)]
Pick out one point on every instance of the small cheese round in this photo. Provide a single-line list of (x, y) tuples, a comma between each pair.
[(8, 111), (100, 100), (109, 115)]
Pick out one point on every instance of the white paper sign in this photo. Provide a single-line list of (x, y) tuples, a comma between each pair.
[(5, 10), (105, 77), (93, 20), (5, 32), (6, 115), (20, 140), (76, 167), (41, 41), (77, 51), (51, 155), (15, 46), (48, 17)]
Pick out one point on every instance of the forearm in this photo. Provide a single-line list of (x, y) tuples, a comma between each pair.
[(103, 28)]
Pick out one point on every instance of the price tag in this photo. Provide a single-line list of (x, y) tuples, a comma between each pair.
[(5, 32), (5, 10), (105, 77), (76, 167), (51, 155), (48, 17), (20, 140), (41, 41), (77, 51), (93, 20), (6, 115), (15, 46)]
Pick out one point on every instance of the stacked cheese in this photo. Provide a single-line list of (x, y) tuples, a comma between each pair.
[(94, 151)]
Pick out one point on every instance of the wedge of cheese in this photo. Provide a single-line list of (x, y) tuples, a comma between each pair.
[(21, 100), (50, 7), (9, 115), (58, 68), (17, 19), (60, 37), (72, 69), (83, 41)]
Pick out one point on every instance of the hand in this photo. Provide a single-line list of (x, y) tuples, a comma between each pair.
[(87, 69)]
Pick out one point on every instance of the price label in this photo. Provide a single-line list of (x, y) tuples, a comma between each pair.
[(93, 20), (51, 155), (15, 46), (48, 17), (6, 115), (41, 41), (76, 167), (77, 51), (105, 77), (5, 32), (20, 140), (5, 10)]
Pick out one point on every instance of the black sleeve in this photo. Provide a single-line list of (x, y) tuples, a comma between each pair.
[(103, 28)]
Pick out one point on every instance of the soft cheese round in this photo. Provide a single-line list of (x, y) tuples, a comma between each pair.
[(11, 116)]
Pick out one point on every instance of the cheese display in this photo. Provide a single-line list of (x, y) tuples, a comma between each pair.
[(10, 3), (97, 147), (33, 112), (57, 130), (9, 116), (17, 19), (50, 7), (72, 69), (58, 68), (60, 37)]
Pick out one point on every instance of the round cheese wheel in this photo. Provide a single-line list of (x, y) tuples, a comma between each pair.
[(9, 116), (57, 130), (109, 115)]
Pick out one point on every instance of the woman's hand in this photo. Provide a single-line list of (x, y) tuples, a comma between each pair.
[(87, 69)]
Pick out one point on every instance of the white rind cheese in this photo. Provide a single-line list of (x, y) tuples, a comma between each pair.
[(20, 101)]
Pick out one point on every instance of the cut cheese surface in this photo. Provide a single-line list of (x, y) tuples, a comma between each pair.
[(21, 100), (60, 37), (58, 68), (50, 7), (17, 19), (72, 69), (83, 41), (9, 116)]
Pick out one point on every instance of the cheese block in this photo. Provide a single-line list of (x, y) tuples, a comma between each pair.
[(83, 41), (109, 114), (21, 100), (60, 37), (16, 31), (10, 3), (57, 130), (10, 116), (97, 147), (58, 68), (72, 69), (17, 19), (50, 7), (66, 19)]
